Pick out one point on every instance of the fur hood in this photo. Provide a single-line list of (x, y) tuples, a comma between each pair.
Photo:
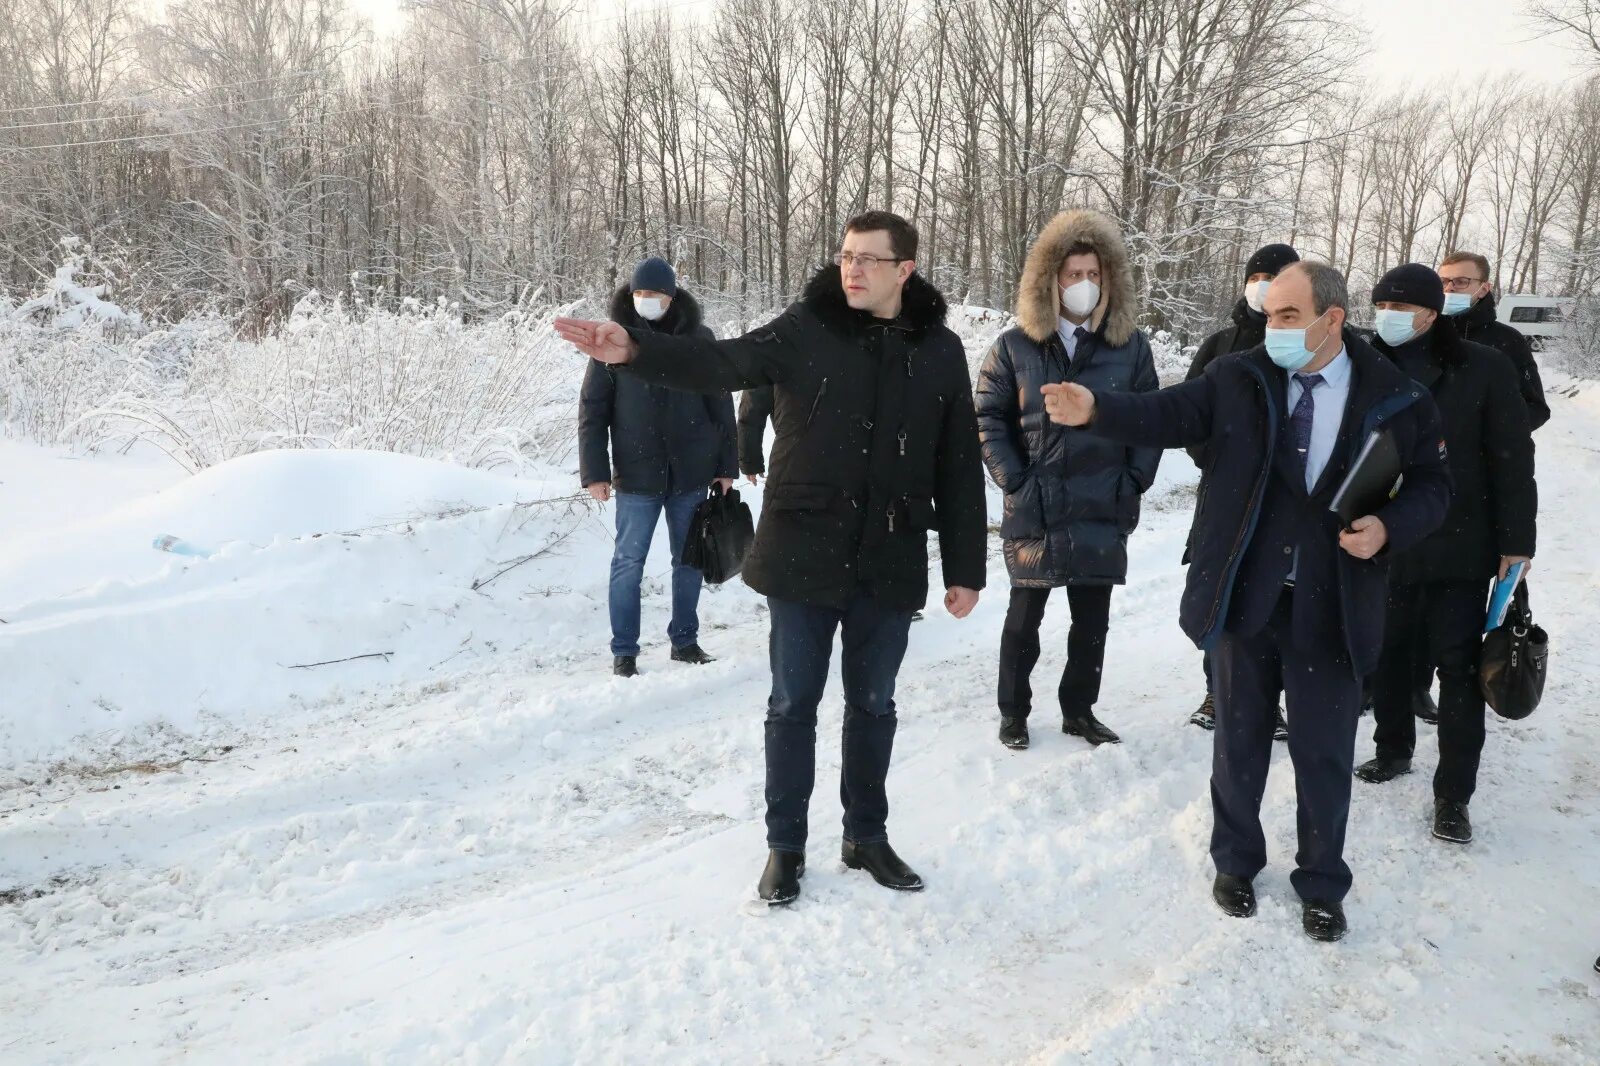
[(683, 317), (921, 305), (1039, 298)]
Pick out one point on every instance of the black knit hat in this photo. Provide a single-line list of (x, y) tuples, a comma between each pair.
[(1271, 259), (655, 275), (1411, 283)]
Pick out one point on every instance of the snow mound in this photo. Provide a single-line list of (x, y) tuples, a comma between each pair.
[(256, 500), (382, 561)]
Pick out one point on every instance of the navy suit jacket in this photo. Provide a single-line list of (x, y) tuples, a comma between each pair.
[(1254, 511)]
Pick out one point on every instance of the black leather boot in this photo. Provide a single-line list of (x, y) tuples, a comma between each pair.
[(780, 881), (883, 864)]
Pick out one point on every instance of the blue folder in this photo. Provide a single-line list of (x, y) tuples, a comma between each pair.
[(1500, 597)]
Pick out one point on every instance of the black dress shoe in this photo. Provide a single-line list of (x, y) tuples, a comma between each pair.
[(625, 666), (1423, 707), (1205, 715), (780, 881), (1378, 771), (1323, 920), (1280, 728), (1235, 895), (1450, 822), (883, 864), (1014, 733), (1089, 728), (691, 653)]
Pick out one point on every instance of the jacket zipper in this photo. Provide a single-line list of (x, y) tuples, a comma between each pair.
[(822, 391)]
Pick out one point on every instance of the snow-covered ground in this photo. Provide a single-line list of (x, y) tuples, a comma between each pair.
[(477, 846)]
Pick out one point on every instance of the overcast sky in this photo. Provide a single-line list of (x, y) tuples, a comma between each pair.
[(1418, 41)]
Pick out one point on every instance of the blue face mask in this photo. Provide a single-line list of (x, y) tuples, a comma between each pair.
[(1395, 327), (1287, 347), (1456, 302)]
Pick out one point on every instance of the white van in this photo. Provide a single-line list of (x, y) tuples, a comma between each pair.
[(1538, 318)]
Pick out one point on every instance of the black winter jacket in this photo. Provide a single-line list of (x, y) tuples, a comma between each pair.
[(1237, 408), (1248, 330), (1479, 325), (658, 438), (755, 407), (874, 444), (1494, 508), (1071, 498)]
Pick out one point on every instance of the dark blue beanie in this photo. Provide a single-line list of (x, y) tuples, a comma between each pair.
[(656, 275)]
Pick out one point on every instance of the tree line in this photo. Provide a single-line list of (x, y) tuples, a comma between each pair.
[(233, 155)]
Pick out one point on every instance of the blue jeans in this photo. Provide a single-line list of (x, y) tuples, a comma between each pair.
[(636, 525), (801, 644)]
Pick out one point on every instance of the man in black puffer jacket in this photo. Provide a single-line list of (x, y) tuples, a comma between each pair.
[(1248, 330), (1072, 499), (1438, 587), (874, 445), (658, 450)]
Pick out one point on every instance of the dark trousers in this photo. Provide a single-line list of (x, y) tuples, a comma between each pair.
[(1441, 621), (1323, 696), (800, 645), (1086, 649)]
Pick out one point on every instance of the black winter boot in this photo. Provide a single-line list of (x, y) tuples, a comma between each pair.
[(1323, 920), (780, 881), (625, 666), (1014, 733), (1090, 728), (883, 864), (1450, 821), (1235, 895), (1424, 708), (691, 653), (1377, 771)]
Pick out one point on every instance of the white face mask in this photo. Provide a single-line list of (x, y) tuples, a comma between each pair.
[(650, 308), (1081, 298), (1255, 294)]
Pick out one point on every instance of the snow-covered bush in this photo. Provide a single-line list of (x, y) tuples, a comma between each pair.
[(417, 381), (1581, 345)]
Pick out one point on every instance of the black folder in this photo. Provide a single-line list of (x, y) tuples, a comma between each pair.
[(1373, 480)]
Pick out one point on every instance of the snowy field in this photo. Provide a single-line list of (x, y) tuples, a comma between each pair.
[(468, 843)]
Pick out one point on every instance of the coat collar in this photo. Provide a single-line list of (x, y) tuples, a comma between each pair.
[(1481, 313), (682, 318), (921, 305)]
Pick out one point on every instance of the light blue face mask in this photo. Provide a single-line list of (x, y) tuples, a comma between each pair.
[(1395, 327), (1456, 302), (1287, 347)]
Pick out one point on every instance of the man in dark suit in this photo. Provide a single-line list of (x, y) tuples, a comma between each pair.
[(1282, 596)]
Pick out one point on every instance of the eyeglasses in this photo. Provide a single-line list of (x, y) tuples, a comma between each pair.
[(865, 262), (1460, 284)]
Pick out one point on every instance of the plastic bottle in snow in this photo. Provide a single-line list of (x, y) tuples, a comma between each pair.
[(178, 546)]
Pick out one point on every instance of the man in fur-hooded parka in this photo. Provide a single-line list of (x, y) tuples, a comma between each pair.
[(1071, 498)]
